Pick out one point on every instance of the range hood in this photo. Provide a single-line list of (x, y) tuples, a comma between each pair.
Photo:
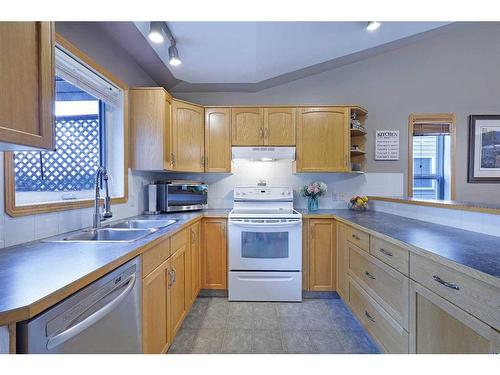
[(264, 153)]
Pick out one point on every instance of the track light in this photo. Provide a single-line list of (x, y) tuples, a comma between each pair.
[(173, 56), (156, 32), (372, 25)]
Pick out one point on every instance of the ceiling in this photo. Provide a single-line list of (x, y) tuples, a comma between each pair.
[(252, 56), (251, 52)]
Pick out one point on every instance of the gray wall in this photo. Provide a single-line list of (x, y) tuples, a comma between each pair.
[(456, 71)]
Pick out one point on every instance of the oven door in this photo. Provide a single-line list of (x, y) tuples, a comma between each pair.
[(265, 244)]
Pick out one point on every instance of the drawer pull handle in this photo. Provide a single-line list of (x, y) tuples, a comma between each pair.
[(356, 237), (445, 283), (370, 318), (369, 275), (385, 252)]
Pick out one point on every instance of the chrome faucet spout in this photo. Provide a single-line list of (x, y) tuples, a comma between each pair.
[(98, 217)]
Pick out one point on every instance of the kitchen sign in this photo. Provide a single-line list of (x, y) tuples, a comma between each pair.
[(387, 145)]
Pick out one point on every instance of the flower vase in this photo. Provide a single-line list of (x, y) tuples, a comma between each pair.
[(312, 204)]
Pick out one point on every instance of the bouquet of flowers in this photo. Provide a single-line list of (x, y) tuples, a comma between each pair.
[(312, 192), (314, 189)]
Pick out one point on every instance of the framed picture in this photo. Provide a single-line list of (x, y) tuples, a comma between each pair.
[(484, 148)]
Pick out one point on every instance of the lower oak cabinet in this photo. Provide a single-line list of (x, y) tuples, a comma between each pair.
[(155, 304), (171, 282), (214, 253), (322, 254)]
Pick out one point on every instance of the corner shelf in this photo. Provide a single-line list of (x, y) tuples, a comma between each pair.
[(358, 138), (357, 152), (357, 132)]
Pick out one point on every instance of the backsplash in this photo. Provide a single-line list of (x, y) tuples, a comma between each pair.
[(280, 173), (16, 230)]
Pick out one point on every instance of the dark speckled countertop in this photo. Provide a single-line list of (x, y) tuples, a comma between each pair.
[(36, 275), (30, 273), (471, 249)]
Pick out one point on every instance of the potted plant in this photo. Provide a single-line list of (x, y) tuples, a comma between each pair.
[(312, 192)]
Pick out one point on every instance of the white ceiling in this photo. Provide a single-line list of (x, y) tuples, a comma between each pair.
[(250, 52)]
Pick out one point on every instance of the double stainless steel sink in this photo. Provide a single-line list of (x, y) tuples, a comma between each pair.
[(123, 231)]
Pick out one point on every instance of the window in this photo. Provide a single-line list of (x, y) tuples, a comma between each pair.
[(89, 132), (431, 154)]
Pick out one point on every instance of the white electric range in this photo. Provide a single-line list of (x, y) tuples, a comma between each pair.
[(265, 245)]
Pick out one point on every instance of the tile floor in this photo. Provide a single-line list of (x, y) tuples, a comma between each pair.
[(215, 325)]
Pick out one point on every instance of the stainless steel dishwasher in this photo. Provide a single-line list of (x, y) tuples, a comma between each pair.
[(103, 317)]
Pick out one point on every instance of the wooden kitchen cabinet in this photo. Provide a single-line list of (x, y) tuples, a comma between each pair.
[(218, 140), (322, 254), (188, 134), (195, 260), (279, 126), (27, 83), (440, 327), (342, 261), (151, 128), (180, 285), (322, 139), (247, 126), (214, 253)]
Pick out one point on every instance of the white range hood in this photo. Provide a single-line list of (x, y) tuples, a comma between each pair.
[(264, 153)]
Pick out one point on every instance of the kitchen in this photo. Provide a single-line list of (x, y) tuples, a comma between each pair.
[(161, 202)]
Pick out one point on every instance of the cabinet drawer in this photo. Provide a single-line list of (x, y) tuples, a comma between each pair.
[(155, 256), (387, 286), (389, 335), (359, 238), (472, 295), (390, 254), (178, 241)]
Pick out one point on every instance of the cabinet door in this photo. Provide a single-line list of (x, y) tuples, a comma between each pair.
[(150, 128), (217, 140), (247, 126), (178, 301), (322, 139), (214, 254), (439, 327), (27, 84), (188, 135), (194, 232), (322, 254), (342, 261), (155, 310), (279, 126)]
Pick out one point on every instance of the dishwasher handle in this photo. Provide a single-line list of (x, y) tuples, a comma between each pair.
[(92, 319)]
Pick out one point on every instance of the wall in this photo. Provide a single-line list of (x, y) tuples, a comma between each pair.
[(279, 173), (456, 71), (89, 38)]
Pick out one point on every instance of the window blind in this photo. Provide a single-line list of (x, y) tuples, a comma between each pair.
[(429, 128), (73, 71)]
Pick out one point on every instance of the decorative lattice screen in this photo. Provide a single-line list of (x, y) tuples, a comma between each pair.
[(71, 167)]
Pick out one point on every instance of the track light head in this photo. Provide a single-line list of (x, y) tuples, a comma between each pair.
[(173, 56), (156, 32), (372, 25)]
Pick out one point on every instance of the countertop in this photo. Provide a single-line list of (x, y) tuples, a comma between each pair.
[(37, 275), (34, 276), (474, 250)]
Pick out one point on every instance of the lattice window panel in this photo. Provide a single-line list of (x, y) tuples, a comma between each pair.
[(71, 167)]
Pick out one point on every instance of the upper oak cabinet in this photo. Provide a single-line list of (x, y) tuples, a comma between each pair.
[(279, 126), (322, 139), (27, 85), (218, 140), (247, 126), (151, 128), (188, 148)]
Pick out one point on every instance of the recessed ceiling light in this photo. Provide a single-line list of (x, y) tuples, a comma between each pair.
[(173, 56), (155, 32), (372, 25)]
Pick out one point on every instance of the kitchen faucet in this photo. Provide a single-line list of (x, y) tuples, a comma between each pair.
[(98, 217)]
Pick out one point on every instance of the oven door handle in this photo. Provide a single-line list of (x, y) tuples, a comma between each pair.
[(248, 224)]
